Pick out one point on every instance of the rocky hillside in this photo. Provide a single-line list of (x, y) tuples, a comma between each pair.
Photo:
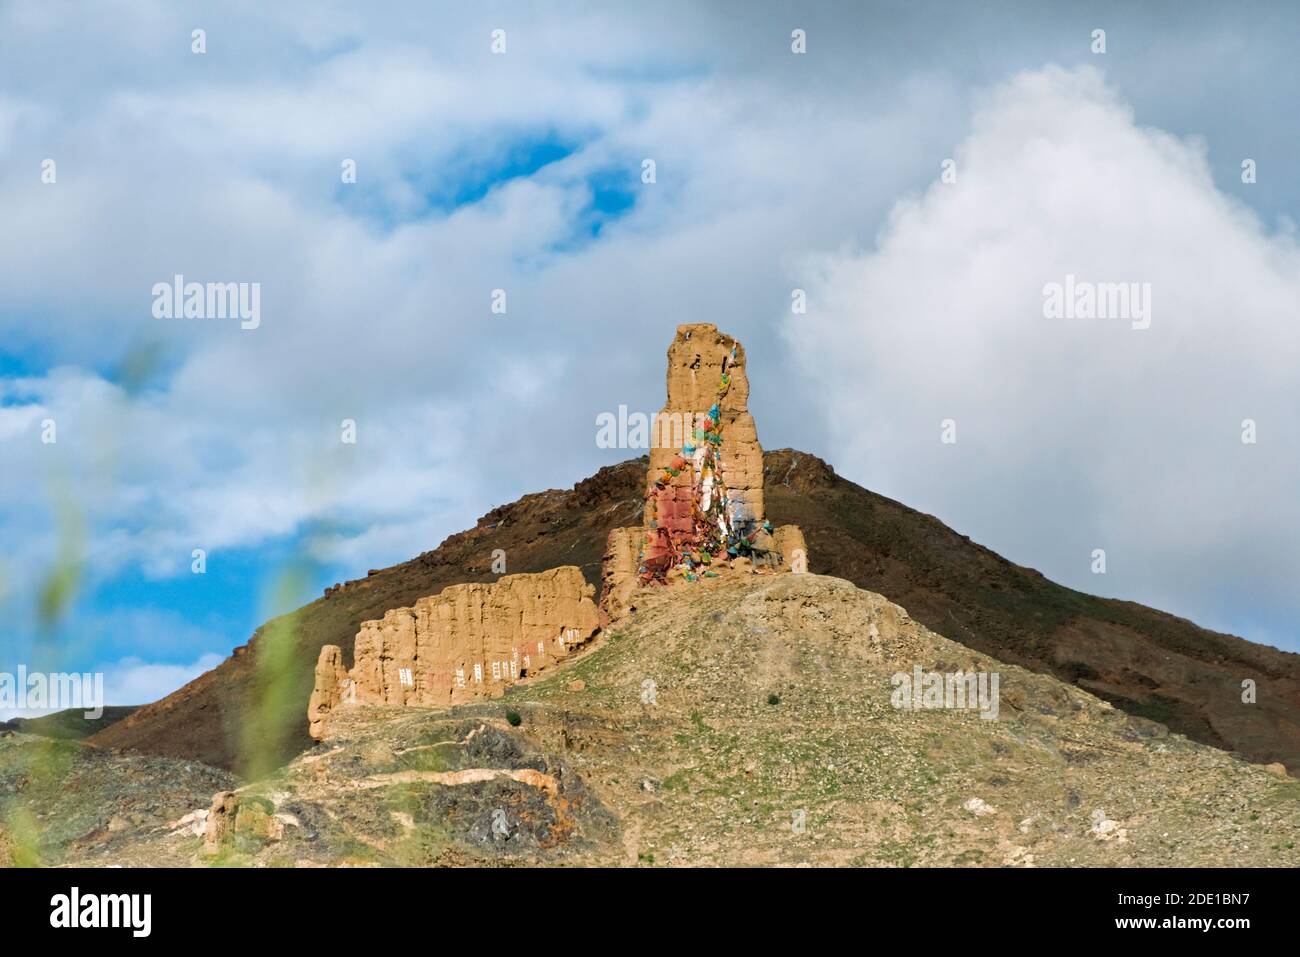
[(1149, 663), (62, 801), (744, 721)]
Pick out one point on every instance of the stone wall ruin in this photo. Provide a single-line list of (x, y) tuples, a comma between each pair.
[(467, 642)]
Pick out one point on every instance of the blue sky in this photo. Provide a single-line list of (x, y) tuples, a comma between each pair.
[(522, 171)]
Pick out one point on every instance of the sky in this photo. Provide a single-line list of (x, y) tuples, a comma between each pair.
[(923, 172)]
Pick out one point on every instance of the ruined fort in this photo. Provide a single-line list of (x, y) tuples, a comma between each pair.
[(702, 519)]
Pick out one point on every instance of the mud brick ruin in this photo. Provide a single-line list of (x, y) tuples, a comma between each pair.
[(468, 641), (703, 519), (704, 512)]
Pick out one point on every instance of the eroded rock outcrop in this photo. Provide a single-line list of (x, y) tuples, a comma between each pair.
[(327, 692), (790, 543), (618, 576), (241, 821), (468, 641)]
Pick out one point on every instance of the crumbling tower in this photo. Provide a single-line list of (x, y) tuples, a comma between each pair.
[(704, 494), (704, 487)]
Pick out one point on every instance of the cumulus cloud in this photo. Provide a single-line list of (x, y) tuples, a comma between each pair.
[(153, 477), (234, 437), (1076, 434), (133, 681)]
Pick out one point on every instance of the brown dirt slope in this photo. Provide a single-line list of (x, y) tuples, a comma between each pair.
[(1149, 663)]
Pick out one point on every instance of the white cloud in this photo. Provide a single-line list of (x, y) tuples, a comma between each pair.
[(133, 681), (236, 439), (153, 477), (1076, 434)]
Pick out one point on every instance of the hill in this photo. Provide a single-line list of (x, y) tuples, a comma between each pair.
[(248, 714), (744, 721)]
